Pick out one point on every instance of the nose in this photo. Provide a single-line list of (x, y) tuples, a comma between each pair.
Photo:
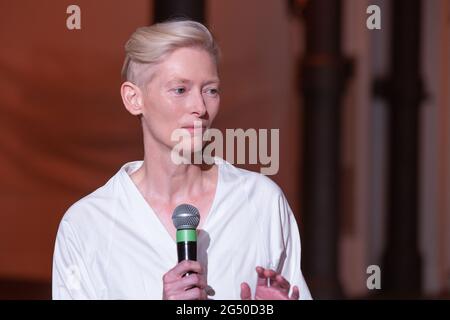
[(197, 104)]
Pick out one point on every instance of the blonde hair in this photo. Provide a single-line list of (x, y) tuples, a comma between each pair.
[(147, 46)]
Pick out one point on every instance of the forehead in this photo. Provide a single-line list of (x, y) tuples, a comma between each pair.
[(188, 64)]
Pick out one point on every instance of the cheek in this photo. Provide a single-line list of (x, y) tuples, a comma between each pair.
[(164, 110), (161, 116), (213, 107)]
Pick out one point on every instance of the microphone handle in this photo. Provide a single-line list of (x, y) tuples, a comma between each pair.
[(187, 245), (187, 250)]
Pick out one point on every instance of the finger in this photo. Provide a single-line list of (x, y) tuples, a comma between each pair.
[(295, 293), (262, 279), (183, 267), (192, 294), (270, 275), (196, 294), (187, 283), (281, 283), (246, 293), (192, 280)]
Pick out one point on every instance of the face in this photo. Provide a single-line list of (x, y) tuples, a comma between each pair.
[(183, 91)]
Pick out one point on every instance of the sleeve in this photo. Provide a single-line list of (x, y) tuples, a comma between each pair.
[(70, 277), (290, 261)]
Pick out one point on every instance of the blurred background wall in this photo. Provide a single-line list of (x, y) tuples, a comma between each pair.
[(64, 130)]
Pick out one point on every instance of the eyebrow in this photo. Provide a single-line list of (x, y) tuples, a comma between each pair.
[(179, 80), (182, 80), (217, 81)]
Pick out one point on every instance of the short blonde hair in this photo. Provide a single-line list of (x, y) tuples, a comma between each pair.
[(147, 46)]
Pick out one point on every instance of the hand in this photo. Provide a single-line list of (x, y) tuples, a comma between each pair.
[(278, 289), (176, 286)]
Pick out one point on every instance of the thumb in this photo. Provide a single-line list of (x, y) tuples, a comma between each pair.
[(295, 293), (245, 291)]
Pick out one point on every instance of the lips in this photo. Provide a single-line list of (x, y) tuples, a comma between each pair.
[(196, 124), (192, 128)]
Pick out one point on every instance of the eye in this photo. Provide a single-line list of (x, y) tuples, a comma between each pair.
[(180, 90), (212, 91)]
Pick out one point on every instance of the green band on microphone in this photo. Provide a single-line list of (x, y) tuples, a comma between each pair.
[(186, 235)]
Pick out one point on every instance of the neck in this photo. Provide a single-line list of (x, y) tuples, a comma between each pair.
[(160, 178)]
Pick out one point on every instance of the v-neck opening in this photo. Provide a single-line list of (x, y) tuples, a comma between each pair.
[(149, 207)]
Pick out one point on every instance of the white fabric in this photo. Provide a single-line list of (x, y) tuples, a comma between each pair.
[(111, 245)]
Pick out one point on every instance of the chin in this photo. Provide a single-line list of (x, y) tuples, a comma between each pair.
[(189, 150)]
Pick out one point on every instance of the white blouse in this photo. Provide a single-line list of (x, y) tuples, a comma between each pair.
[(111, 245)]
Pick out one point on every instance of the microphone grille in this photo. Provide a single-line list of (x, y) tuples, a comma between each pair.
[(186, 216)]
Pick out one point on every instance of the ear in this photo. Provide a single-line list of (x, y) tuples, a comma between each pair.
[(132, 98)]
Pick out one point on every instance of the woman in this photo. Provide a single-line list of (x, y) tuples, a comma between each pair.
[(119, 241)]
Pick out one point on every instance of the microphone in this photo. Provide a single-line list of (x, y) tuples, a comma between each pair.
[(186, 218)]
